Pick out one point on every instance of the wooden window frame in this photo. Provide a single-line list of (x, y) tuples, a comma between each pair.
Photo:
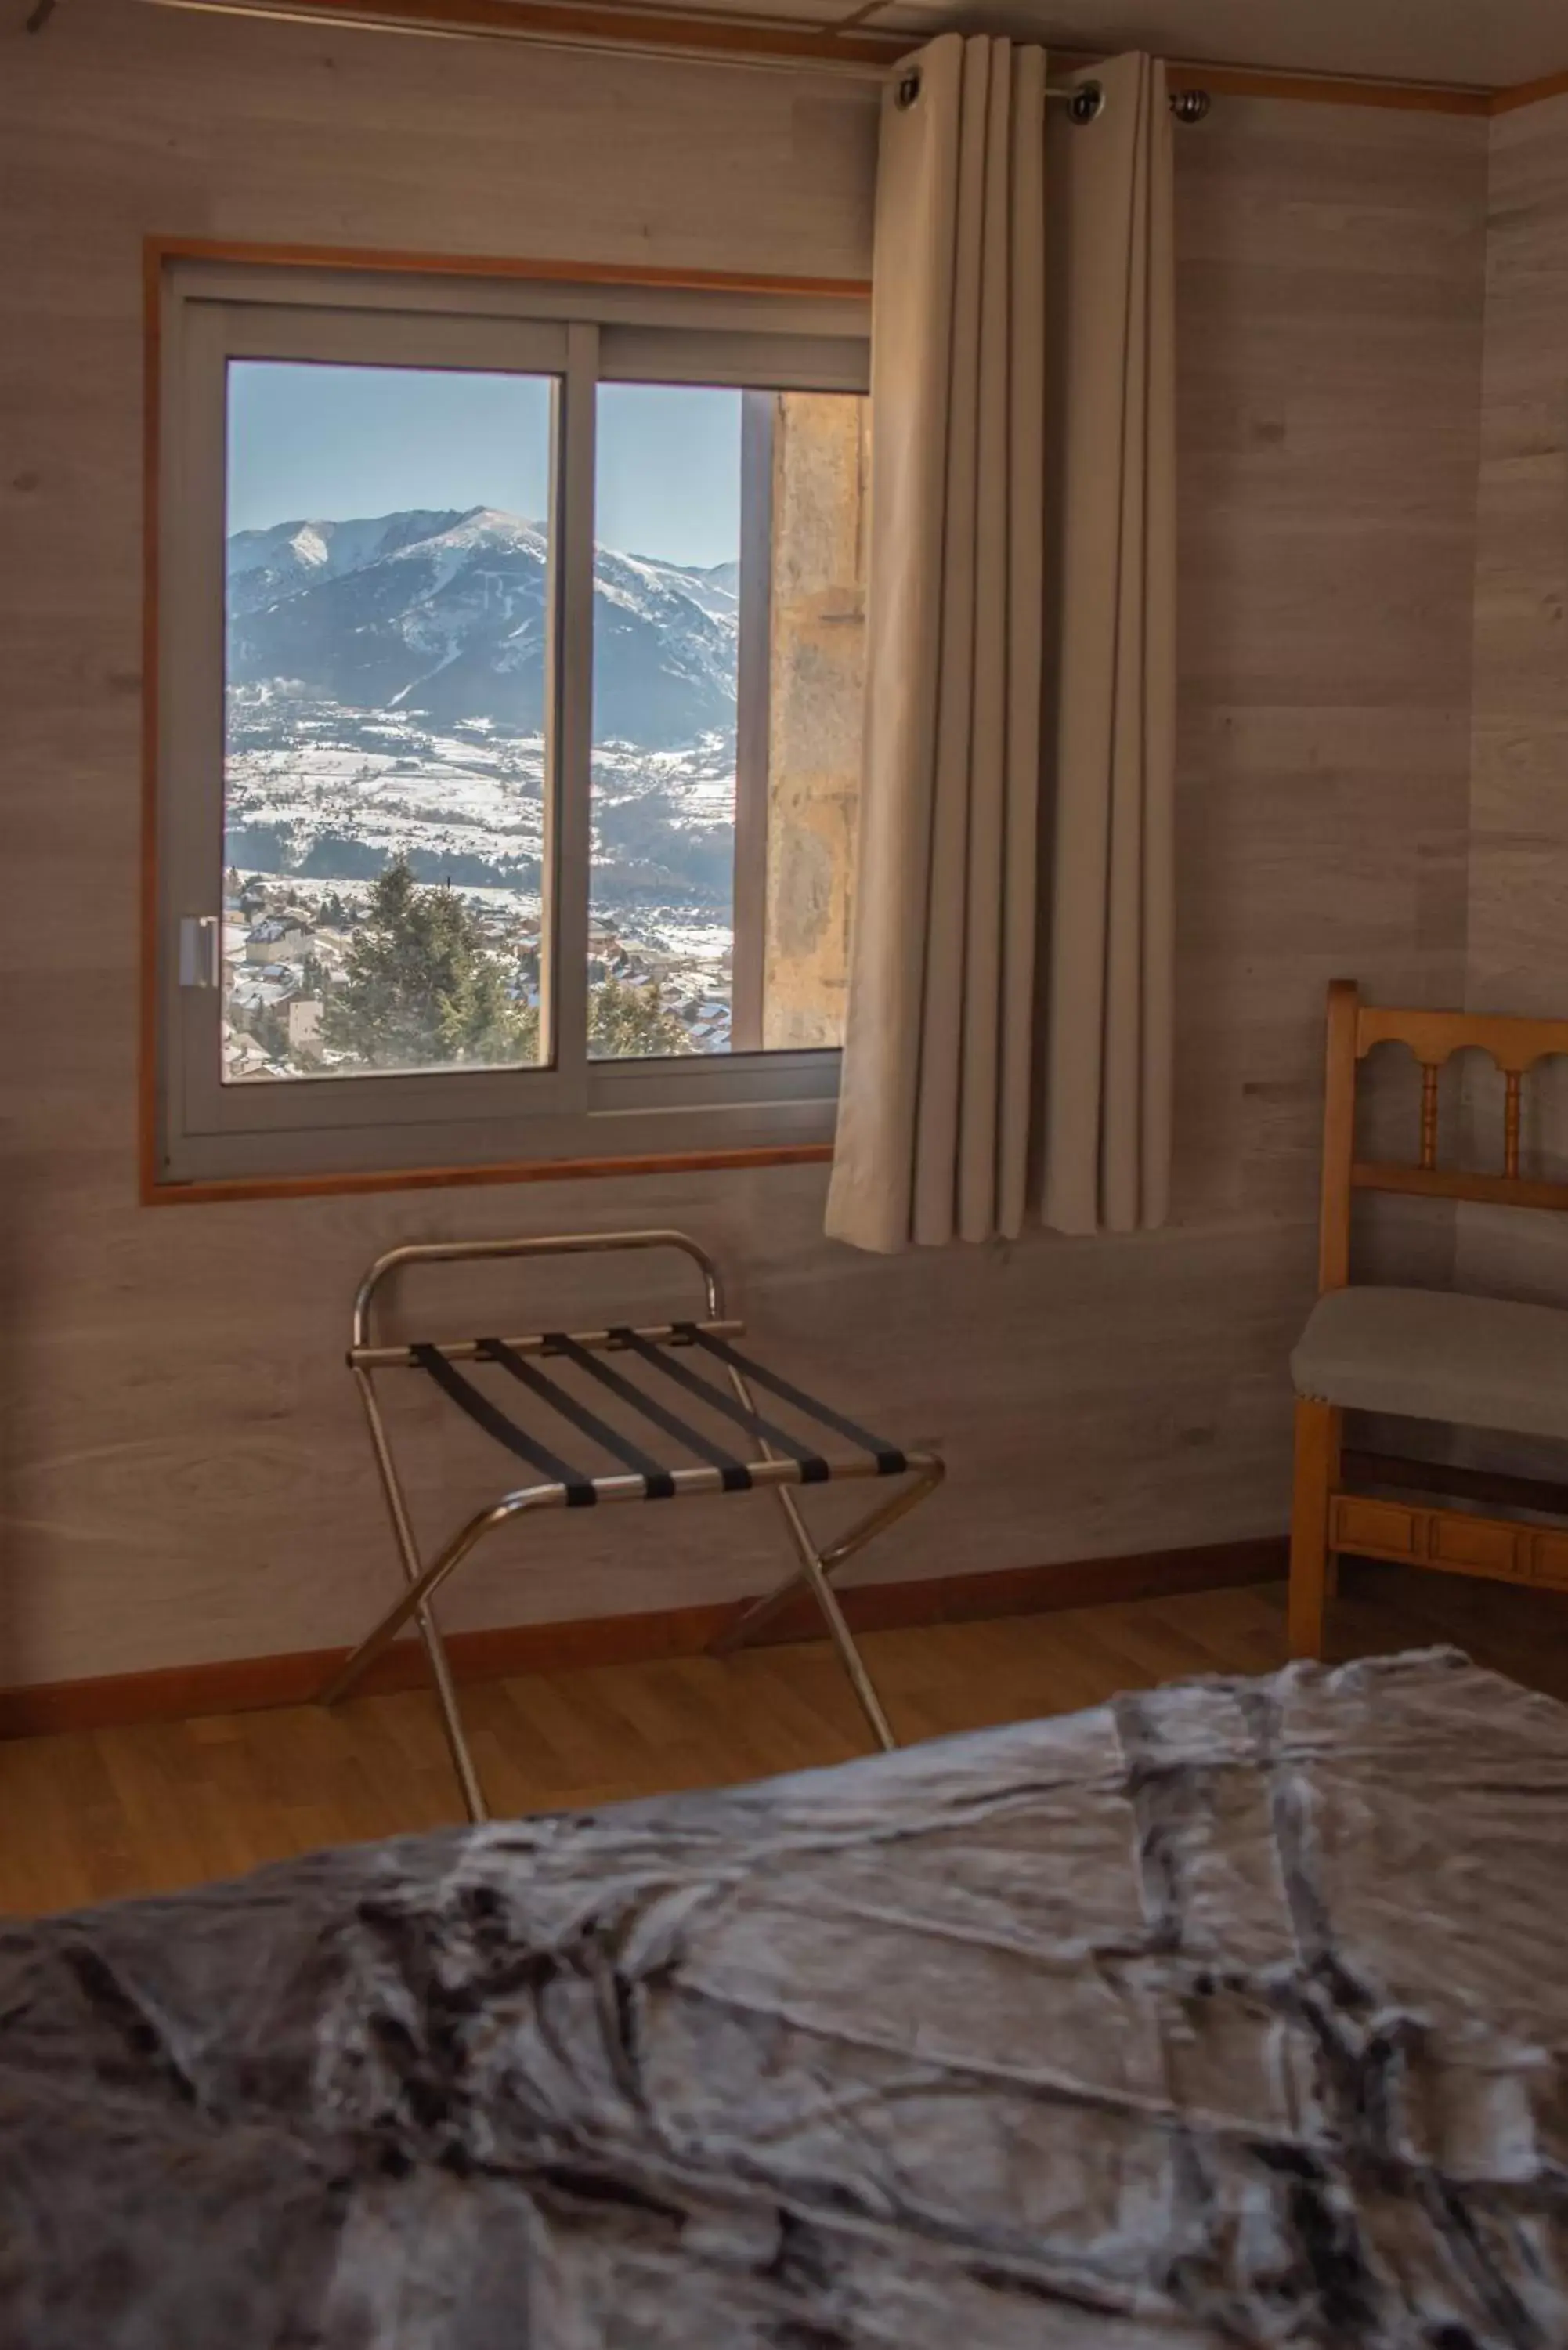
[(740, 1109)]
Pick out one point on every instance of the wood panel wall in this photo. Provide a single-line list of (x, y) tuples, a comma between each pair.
[(1518, 910), (184, 1476)]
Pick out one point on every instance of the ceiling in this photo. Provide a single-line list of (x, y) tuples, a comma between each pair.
[(1488, 43)]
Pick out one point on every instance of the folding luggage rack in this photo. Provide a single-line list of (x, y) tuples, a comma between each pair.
[(735, 1447)]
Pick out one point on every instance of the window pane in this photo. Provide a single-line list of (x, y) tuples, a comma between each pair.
[(386, 719), (729, 620)]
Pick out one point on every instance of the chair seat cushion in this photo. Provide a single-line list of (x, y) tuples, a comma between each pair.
[(1433, 1354)]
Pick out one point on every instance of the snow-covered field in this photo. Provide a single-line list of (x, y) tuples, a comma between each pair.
[(334, 795), (319, 799)]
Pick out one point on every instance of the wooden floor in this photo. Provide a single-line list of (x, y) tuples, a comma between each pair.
[(87, 1817)]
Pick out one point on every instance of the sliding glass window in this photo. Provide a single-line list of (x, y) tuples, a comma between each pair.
[(510, 662)]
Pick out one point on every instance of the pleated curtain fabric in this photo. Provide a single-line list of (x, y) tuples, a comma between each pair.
[(1104, 1081), (985, 683), (933, 1119)]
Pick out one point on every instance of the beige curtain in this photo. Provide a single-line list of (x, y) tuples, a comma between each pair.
[(1105, 1065), (1008, 1034)]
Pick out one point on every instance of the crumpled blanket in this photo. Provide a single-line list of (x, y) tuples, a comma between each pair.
[(1231, 2013)]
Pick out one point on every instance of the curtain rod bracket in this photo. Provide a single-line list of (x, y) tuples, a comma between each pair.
[(1084, 101)]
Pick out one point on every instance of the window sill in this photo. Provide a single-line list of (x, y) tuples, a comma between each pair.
[(157, 1194)]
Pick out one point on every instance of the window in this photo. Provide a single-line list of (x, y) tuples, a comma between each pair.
[(510, 652)]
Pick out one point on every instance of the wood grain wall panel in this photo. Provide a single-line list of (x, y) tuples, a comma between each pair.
[(1518, 922), (1329, 281), (182, 1476)]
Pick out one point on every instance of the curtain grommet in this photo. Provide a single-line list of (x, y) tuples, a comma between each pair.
[(907, 91), (1086, 102), (1191, 104)]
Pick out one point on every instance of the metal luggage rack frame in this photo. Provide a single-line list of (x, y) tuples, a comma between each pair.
[(777, 1459)]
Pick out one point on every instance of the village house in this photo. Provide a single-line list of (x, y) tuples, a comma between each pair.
[(280, 937)]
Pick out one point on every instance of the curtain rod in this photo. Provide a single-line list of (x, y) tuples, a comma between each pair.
[(485, 18), (1084, 101), (851, 51)]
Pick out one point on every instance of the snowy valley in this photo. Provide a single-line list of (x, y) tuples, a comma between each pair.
[(386, 695)]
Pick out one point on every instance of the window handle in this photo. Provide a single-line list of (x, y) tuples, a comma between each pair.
[(200, 960)]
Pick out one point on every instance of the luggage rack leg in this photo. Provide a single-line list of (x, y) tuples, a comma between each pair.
[(435, 1647), (813, 1575)]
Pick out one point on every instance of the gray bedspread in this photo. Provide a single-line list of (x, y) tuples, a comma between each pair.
[(1232, 2013)]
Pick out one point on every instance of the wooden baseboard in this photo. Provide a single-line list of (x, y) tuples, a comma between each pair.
[(248, 1683)]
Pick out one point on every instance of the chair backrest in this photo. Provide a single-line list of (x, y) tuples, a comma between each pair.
[(1353, 1028)]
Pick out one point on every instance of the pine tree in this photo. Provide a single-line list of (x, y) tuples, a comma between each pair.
[(627, 1023), (421, 990)]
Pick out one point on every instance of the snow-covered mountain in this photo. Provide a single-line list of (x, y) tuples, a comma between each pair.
[(443, 615), (265, 564)]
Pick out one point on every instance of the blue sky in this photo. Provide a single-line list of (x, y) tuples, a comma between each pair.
[(326, 443)]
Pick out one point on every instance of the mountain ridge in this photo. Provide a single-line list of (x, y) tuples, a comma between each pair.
[(444, 611)]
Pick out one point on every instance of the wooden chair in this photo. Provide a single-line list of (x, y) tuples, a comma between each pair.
[(1421, 1353)]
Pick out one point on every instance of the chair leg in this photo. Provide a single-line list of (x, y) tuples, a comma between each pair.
[(1316, 1473)]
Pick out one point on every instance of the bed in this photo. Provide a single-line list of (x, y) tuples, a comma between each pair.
[(1231, 2013)]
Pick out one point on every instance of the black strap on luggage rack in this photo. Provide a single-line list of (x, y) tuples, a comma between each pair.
[(580, 1491), (814, 1469), (890, 1461), (483, 1413), (653, 1360), (734, 1474), (660, 1485)]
